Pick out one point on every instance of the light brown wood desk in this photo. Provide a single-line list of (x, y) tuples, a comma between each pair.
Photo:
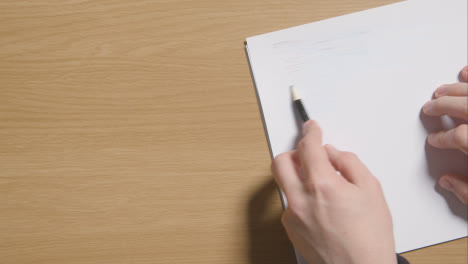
[(130, 133)]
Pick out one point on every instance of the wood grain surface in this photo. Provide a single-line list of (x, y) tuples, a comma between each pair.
[(130, 133)]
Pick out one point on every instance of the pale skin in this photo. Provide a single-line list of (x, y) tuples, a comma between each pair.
[(452, 100), (337, 207)]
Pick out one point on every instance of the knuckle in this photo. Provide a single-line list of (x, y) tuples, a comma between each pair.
[(295, 209), (320, 187)]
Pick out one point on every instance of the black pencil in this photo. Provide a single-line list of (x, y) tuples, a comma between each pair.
[(298, 105)]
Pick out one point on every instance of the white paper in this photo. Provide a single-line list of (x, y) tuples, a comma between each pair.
[(364, 77)]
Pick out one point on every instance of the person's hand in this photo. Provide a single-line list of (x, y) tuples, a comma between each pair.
[(452, 100), (335, 205)]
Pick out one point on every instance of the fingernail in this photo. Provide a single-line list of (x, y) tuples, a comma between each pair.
[(446, 185), (441, 90), (427, 107)]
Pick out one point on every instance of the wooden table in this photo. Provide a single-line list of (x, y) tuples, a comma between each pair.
[(130, 133)]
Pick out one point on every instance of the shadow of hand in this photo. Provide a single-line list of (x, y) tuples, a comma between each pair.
[(443, 161), (268, 240)]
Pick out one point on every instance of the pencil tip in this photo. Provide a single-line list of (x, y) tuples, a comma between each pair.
[(295, 96)]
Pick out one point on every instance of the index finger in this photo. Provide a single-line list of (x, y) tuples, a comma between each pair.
[(312, 155), (286, 174), (447, 105)]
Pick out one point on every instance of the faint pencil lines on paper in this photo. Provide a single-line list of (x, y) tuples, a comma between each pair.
[(297, 55)]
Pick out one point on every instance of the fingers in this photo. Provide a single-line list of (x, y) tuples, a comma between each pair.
[(287, 174), (456, 138), (348, 164), (447, 105), (456, 184), (464, 74), (312, 155), (455, 89)]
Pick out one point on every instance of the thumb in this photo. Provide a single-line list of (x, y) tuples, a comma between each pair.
[(456, 184)]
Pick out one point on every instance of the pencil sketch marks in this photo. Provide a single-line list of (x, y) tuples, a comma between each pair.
[(299, 55)]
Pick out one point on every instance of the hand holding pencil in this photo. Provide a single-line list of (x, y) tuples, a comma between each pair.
[(335, 205)]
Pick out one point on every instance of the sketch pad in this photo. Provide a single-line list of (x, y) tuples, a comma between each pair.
[(364, 77)]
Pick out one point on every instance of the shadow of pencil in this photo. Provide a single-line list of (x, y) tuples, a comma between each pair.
[(268, 240), (443, 161)]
